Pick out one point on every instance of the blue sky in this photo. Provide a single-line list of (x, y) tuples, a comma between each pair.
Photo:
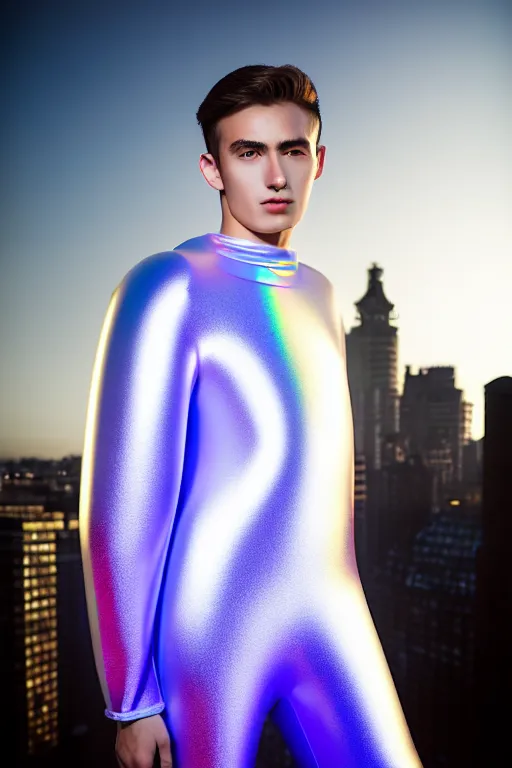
[(100, 154)]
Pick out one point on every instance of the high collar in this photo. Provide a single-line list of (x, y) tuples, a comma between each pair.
[(255, 261), (254, 253)]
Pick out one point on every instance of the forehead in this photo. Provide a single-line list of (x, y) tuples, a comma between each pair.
[(270, 124)]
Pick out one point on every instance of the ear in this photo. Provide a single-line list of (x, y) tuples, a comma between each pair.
[(210, 171), (320, 158)]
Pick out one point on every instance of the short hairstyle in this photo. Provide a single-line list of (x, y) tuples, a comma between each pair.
[(255, 84)]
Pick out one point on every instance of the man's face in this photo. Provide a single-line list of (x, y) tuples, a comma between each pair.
[(265, 152)]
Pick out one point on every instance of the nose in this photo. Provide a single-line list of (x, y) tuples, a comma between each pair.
[(275, 176)]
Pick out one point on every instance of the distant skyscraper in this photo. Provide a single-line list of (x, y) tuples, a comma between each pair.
[(423, 606), (494, 580), (372, 364), (51, 707), (403, 490), (434, 419), (472, 469), (360, 513), (28, 610), (467, 422)]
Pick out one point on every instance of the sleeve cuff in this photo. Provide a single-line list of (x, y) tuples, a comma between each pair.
[(136, 714)]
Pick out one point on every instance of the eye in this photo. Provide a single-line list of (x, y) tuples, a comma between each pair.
[(247, 152), (297, 150)]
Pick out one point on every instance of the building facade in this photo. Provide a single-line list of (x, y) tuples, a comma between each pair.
[(434, 418), (372, 365)]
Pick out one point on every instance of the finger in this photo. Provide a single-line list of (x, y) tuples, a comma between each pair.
[(164, 748)]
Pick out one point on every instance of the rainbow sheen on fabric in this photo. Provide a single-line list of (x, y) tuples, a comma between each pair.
[(216, 514)]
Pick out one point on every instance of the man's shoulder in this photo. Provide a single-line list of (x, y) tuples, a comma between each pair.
[(150, 277), (163, 265), (157, 270), (315, 276)]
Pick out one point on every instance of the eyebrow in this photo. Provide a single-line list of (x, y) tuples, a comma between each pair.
[(282, 146)]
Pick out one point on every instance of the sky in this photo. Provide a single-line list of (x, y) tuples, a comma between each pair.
[(99, 157)]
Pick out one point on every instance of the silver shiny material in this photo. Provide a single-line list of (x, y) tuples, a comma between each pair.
[(216, 514)]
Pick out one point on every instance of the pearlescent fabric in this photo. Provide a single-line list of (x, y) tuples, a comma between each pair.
[(216, 514)]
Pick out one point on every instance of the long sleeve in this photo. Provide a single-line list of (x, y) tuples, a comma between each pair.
[(134, 447)]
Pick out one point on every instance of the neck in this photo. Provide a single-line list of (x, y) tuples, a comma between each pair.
[(233, 228)]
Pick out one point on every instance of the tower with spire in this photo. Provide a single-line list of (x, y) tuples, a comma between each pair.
[(372, 364)]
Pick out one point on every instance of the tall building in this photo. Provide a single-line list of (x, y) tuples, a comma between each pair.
[(423, 603), (28, 610), (467, 422), (472, 470), (372, 365), (494, 580), (360, 513), (434, 418), (52, 706), (403, 500)]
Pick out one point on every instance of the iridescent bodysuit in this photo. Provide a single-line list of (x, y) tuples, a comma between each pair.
[(216, 515)]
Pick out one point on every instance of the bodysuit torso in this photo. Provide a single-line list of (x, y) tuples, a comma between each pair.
[(216, 514)]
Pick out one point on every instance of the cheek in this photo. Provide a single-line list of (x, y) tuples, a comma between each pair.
[(304, 184), (305, 174), (241, 190)]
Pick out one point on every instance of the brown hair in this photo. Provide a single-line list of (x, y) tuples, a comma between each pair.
[(255, 84)]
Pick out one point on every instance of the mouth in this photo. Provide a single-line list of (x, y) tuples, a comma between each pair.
[(277, 204)]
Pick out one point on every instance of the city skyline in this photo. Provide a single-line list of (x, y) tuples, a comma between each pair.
[(101, 155)]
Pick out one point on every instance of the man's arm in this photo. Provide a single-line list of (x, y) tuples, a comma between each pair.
[(144, 371)]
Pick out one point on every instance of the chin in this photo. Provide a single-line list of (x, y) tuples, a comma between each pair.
[(277, 223)]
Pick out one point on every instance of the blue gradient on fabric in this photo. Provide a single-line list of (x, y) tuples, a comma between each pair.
[(216, 515)]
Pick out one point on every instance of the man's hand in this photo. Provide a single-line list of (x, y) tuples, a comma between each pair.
[(137, 741)]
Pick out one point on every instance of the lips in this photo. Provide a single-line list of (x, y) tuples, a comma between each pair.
[(277, 200), (277, 207)]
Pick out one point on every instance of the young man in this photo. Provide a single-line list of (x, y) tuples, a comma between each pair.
[(216, 514)]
